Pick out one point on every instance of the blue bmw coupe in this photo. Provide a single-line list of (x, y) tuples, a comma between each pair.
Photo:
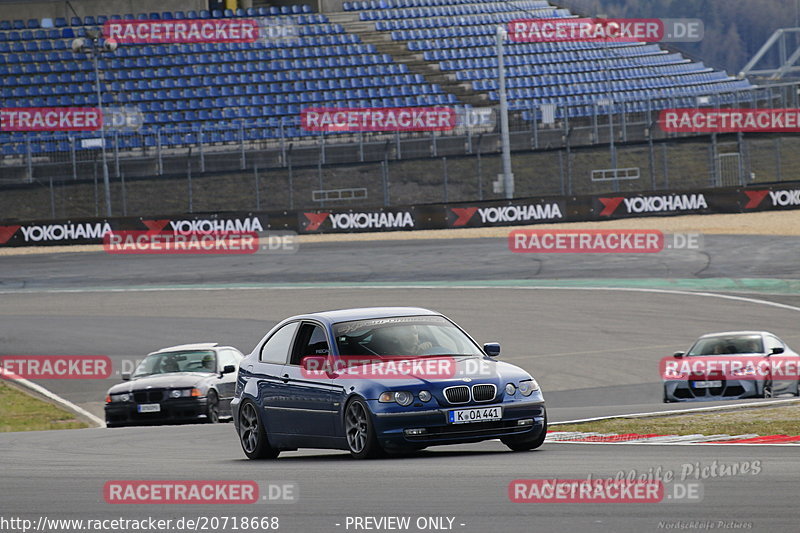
[(379, 380)]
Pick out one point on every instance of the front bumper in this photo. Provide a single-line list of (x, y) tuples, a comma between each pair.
[(685, 391), (390, 427), (172, 411)]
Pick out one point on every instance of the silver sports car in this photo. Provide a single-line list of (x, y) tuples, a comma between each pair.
[(731, 365)]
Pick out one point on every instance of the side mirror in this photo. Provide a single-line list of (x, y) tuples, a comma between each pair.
[(492, 349), (678, 355), (126, 376), (777, 350), (229, 369)]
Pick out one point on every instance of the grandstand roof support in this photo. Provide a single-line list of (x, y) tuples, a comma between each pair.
[(787, 65), (508, 176)]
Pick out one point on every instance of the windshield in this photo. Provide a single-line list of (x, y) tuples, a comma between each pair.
[(166, 362), (738, 344), (403, 336)]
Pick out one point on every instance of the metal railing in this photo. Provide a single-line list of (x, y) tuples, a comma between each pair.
[(561, 157)]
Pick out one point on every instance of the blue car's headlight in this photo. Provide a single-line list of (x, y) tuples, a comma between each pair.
[(511, 389), (424, 395), (528, 387), (399, 397)]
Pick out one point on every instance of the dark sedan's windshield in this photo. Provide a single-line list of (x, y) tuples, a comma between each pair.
[(736, 344), (403, 336), (164, 363)]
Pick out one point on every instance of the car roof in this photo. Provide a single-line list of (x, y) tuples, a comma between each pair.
[(735, 334), (364, 313), (187, 347)]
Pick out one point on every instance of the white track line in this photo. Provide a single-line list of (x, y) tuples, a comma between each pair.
[(347, 286)]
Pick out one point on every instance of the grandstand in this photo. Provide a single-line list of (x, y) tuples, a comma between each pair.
[(460, 38), (233, 92)]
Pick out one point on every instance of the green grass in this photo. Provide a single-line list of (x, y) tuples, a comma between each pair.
[(783, 420), (21, 412)]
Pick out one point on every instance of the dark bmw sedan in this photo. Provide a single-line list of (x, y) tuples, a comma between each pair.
[(380, 380), (187, 383)]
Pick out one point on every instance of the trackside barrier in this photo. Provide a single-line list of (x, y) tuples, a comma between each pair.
[(521, 211)]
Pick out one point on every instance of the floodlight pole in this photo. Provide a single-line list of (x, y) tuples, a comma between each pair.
[(79, 45), (508, 176), (106, 180)]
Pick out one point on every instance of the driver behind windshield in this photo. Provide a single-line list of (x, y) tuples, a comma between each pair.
[(399, 340), (409, 337)]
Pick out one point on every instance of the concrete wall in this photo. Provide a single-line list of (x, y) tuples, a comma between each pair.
[(38, 9)]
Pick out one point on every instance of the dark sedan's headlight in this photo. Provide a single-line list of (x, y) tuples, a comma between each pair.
[(184, 393), (528, 387), (399, 397), (124, 397)]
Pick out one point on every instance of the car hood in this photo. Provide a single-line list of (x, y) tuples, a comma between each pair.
[(173, 380)]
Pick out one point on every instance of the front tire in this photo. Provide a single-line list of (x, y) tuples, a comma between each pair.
[(528, 444), (252, 435), (359, 431), (212, 408)]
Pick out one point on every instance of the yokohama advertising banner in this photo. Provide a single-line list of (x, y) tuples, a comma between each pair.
[(93, 230), (516, 212), (520, 212)]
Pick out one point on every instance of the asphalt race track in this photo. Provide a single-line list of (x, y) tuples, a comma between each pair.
[(594, 350)]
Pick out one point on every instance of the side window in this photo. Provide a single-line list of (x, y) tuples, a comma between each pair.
[(310, 341), (276, 349)]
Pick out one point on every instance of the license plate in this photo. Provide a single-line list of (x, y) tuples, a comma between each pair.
[(707, 384), (465, 416), (149, 408)]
